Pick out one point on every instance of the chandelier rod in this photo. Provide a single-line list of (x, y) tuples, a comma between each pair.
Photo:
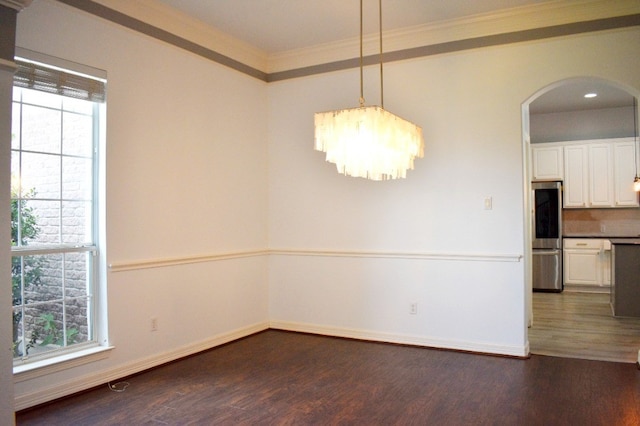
[(635, 134), (380, 54), (361, 61), (381, 77)]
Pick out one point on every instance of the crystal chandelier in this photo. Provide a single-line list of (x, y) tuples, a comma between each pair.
[(368, 141)]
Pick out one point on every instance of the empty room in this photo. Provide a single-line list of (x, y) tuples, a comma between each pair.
[(290, 212)]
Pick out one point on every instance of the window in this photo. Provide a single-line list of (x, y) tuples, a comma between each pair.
[(56, 122)]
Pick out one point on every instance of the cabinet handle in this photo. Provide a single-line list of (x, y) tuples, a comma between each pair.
[(581, 244)]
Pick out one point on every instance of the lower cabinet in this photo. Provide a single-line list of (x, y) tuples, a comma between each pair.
[(587, 262)]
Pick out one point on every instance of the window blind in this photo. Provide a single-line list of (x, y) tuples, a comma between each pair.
[(35, 76)]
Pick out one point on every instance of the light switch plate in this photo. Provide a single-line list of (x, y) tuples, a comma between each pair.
[(488, 203)]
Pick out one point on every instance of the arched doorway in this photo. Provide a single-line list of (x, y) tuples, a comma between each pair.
[(560, 112)]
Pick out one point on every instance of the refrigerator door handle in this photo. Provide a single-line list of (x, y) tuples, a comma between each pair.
[(547, 252)]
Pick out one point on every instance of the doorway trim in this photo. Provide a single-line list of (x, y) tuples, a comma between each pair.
[(527, 176)]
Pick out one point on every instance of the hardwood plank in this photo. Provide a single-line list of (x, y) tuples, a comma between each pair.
[(283, 378), (581, 325)]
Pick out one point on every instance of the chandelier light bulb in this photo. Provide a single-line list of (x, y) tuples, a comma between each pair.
[(368, 142)]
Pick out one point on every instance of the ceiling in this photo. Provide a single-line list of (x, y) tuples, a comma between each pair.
[(280, 25), (569, 96), (275, 26)]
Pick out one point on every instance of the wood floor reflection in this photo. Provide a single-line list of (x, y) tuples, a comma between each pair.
[(581, 325), (282, 378)]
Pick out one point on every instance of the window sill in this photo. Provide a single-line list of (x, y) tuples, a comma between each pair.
[(44, 367)]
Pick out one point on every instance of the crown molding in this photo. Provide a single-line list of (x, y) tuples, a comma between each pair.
[(554, 18), (549, 14), (182, 25), (15, 4)]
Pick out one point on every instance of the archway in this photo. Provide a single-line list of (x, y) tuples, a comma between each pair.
[(560, 112)]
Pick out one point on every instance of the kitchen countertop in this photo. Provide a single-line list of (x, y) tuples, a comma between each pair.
[(602, 237), (634, 241)]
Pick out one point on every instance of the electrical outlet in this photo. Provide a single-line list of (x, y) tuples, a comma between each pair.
[(413, 308), (154, 324)]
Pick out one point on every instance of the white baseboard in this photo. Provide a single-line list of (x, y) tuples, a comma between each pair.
[(587, 288), (466, 346), (78, 384)]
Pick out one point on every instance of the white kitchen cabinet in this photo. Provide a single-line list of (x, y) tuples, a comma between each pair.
[(625, 169), (575, 190), (600, 175), (587, 262), (548, 163)]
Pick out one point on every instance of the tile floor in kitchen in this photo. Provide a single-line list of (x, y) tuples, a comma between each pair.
[(581, 325)]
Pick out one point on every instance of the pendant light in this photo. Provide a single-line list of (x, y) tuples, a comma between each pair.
[(636, 180), (368, 141)]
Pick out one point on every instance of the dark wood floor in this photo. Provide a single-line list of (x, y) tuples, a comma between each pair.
[(282, 378)]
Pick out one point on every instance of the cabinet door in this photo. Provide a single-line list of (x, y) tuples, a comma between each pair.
[(600, 175), (575, 176), (625, 170), (582, 266), (547, 162)]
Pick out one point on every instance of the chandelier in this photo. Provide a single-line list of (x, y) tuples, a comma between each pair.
[(368, 141)]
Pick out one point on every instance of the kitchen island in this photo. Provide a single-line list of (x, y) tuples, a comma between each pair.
[(625, 277)]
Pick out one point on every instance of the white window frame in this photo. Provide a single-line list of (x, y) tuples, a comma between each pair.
[(97, 348)]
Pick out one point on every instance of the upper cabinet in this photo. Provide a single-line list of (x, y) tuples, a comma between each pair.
[(547, 162), (576, 178), (624, 160), (600, 175), (595, 174)]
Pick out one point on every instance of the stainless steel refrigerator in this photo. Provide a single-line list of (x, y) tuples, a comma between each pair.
[(547, 236)]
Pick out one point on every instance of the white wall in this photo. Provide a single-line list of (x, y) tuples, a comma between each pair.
[(469, 104), (186, 167), (582, 125)]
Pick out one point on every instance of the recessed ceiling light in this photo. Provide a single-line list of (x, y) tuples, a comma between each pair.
[(590, 95)]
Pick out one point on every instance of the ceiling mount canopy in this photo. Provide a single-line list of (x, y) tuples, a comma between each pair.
[(368, 141)]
